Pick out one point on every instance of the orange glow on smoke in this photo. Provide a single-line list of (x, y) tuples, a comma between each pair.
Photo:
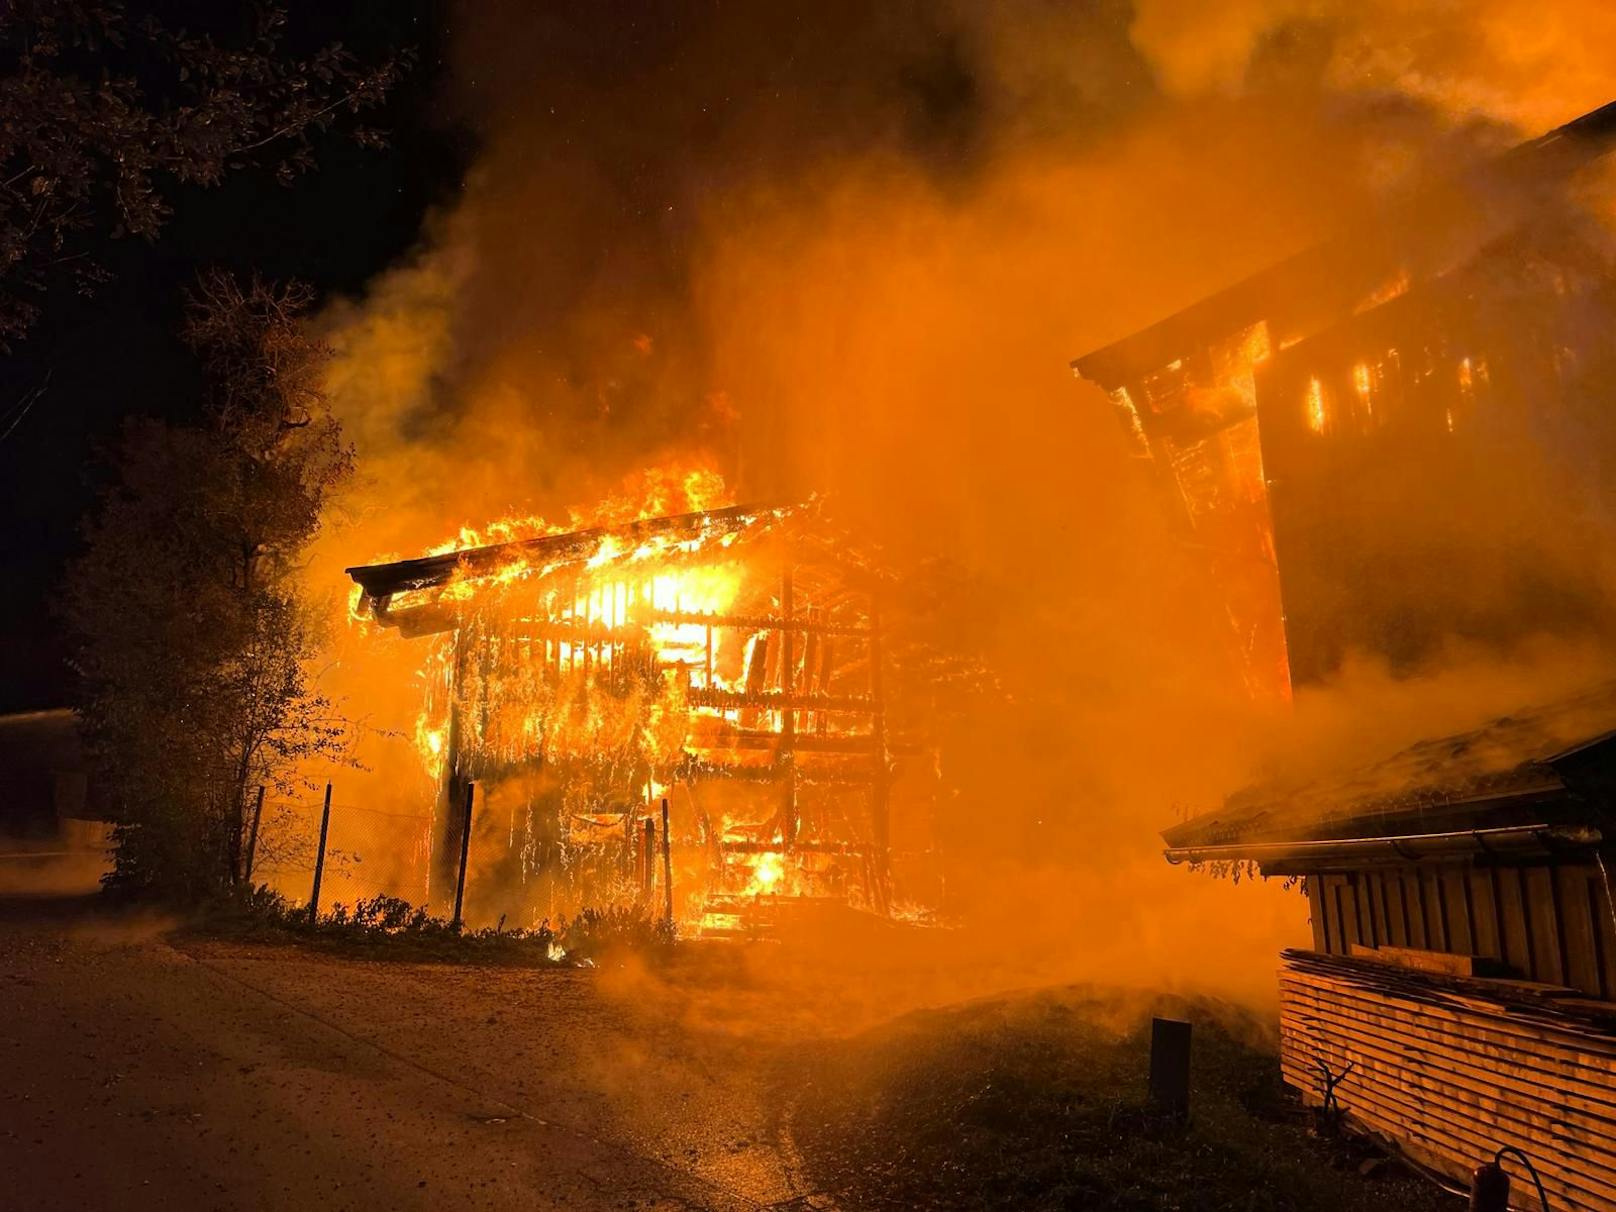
[(1362, 384), (1316, 418)]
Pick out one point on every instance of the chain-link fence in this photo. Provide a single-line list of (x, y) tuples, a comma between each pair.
[(368, 852)]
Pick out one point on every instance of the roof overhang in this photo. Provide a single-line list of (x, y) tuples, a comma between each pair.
[(427, 572), (1305, 857)]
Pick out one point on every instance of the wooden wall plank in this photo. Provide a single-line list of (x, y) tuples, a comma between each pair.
[(1543, 924), (1377, 891), (1315, 908), (1329, 892), (1347, 914), (1447, 1077), (1508, 887), (1396, 908), (1436, 909), (1484, 909), (1582, 959), (1390, 910), (1590, 1118), (1364, 895), (1414, 897), (1457, 909), (1605, 935)]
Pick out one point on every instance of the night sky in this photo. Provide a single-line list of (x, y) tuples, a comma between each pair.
[(637, 110), (116, 354)]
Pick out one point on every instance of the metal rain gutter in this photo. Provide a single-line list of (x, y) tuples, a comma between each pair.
[(1518, 840)]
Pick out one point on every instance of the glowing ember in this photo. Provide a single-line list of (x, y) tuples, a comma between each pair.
[(767, 874)]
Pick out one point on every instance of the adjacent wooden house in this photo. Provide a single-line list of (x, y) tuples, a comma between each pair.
[(1333, 435), (1460, 993), (1322, 430)]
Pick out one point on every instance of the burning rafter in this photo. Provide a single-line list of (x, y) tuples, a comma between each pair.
[(547, 554)]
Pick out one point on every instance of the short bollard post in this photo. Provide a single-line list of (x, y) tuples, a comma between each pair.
[(1489, 1188), (465, 852), (1170, 1067), (319, 858)]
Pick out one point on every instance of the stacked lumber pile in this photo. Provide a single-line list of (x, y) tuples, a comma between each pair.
[(1450, 1068)]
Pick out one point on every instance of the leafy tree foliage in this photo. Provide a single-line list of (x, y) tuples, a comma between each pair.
[(102, 112), (189, 633)]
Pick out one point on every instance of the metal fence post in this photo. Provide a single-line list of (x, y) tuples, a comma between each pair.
[(667, 862), (648, 863), (319, 858), (465, 852), (252, 836)]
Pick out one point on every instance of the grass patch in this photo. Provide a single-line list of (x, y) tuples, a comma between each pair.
[(1039, 1104), (387, 927)]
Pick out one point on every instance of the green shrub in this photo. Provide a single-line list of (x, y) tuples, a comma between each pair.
[(596, 933), (391, 925)]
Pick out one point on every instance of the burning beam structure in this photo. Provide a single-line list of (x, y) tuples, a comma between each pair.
[(729, 660)]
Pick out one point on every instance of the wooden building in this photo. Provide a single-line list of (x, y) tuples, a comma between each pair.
[(730, 663), (1332, 435), (1460, 993), (1290, 417)]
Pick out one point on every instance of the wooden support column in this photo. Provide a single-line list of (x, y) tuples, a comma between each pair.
[(648, 862), (319, 857), (810, 665), (827, 658), (465, 853), (667, 862), (452, 792), (880, 792), (786, 753)]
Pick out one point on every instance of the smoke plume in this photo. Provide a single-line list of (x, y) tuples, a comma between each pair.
[(851, 249)]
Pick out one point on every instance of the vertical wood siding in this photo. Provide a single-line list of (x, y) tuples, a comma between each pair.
[(1549, 922)]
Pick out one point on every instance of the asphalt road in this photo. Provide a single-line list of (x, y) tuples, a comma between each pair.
[(145, 1069), (143, 1066)]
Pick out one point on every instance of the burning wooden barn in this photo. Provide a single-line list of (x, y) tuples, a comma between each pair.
[(729, 664), (1341, 436)]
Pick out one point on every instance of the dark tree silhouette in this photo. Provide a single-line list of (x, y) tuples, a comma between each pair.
[(188, 629), (103, 114)]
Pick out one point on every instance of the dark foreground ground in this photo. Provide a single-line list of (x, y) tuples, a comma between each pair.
[(149, 1067)]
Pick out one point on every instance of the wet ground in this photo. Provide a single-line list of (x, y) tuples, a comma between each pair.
[(149, 1067)]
